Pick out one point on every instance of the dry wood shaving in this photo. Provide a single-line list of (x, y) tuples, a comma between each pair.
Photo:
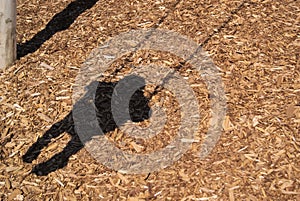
[(255, 45)]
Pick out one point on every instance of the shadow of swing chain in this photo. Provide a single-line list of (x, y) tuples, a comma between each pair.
[(158, 88)]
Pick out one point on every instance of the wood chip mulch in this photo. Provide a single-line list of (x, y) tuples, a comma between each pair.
[(254, 43)]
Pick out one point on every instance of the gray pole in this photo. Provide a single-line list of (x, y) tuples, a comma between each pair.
[(7, 32)]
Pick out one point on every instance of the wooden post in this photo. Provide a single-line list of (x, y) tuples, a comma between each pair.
[(7, 32)]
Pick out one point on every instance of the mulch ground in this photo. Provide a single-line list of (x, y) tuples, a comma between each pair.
[(254, 43)]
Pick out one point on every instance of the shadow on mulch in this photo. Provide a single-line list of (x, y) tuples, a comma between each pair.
[(139, 110), (61, 21)]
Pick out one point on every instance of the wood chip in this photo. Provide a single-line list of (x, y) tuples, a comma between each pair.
[(254, 45)]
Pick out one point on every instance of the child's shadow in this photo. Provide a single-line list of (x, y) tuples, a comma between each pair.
[(139, 110)]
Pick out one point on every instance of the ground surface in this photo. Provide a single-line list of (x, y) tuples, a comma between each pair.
[(255, 45)]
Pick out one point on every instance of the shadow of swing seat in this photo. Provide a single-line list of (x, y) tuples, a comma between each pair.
[(139, 110)]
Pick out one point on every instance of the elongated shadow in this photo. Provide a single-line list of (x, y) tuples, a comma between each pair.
[(61, 21), (139, 110)]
